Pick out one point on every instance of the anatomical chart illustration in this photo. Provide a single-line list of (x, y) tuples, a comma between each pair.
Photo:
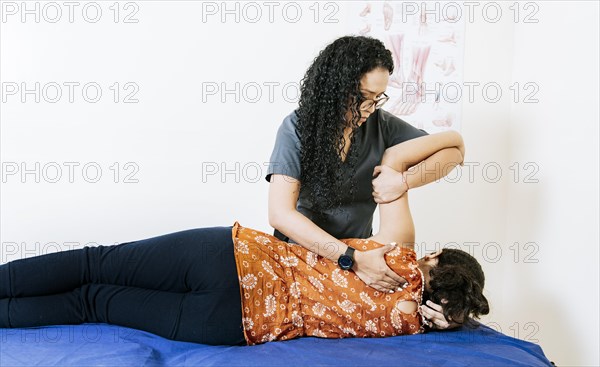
[(427, 45)]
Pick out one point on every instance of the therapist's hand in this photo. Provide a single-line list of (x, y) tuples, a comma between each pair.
[(434, 314), (388, 185), (371, 268)]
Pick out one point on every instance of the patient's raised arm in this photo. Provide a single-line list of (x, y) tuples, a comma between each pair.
[(396, 223), (407, 154)]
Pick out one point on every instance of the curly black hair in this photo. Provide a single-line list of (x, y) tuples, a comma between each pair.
[(459, 279), (329, 88)]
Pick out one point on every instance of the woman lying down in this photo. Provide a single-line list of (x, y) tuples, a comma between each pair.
[(239, 286)]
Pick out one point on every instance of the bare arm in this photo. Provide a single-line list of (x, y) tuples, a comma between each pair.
[(407, 154), (283, 196), (396, 223), (369, 266), (420, 160)]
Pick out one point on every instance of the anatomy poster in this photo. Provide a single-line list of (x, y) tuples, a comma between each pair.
[(427, 44)]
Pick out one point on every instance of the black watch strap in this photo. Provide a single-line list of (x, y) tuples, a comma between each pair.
[(346, 260)]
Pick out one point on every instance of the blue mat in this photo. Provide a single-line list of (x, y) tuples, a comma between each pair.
[(109, 345)]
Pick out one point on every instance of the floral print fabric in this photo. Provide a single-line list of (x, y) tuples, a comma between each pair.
[(288, 291)]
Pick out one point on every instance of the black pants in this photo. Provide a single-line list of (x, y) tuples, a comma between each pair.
[(182, 286)]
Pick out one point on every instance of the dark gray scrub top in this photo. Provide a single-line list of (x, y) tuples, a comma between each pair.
[(354, 219)]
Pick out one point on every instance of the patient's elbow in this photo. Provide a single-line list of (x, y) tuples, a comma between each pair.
[(456, 156)]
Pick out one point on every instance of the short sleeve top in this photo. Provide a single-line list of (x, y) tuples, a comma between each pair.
[(354, 219), (288, 291)]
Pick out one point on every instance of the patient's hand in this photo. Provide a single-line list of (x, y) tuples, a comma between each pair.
[(434, 314), (371, 268)]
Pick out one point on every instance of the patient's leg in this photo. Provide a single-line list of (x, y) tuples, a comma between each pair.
[(207, 317), (190, 260), (182, 286)]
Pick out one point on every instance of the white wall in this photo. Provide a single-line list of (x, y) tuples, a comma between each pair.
[(544, 287), (170, 135), (560, 213)]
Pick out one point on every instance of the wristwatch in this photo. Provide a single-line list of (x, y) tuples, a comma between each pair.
[(346, 261)]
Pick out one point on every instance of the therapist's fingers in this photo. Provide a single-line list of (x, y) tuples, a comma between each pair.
[(400, 281), (379, 199), (390, 284), (384, 286), (378, 286)]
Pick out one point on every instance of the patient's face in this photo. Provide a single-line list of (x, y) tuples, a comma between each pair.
[(426, 263)]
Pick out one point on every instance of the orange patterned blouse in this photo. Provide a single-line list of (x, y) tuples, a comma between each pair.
[(288, 291)]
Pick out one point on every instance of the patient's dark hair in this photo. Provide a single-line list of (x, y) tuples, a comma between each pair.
[(459, 279)]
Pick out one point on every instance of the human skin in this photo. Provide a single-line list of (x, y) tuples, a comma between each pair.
[(370, 266), (396, 224), (395, 219)]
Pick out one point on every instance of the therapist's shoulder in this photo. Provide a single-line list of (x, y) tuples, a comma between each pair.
[(290, 122), (287, 133), (388, 119), (395, 130), (285, 157)]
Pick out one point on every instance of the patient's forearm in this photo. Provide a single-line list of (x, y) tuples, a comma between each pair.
[(433, 168), (407, 154), (437, 155), (395, 221)]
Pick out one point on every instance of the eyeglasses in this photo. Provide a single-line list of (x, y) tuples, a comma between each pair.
[(368, 103)]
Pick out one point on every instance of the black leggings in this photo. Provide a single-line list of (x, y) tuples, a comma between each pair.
[(182, 286)]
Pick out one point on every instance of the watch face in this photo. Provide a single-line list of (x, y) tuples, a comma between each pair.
[(345, 262)]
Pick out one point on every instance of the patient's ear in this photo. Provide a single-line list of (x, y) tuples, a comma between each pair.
[(432, 255)]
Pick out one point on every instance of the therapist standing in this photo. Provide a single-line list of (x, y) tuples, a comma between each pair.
[(322, 168)]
